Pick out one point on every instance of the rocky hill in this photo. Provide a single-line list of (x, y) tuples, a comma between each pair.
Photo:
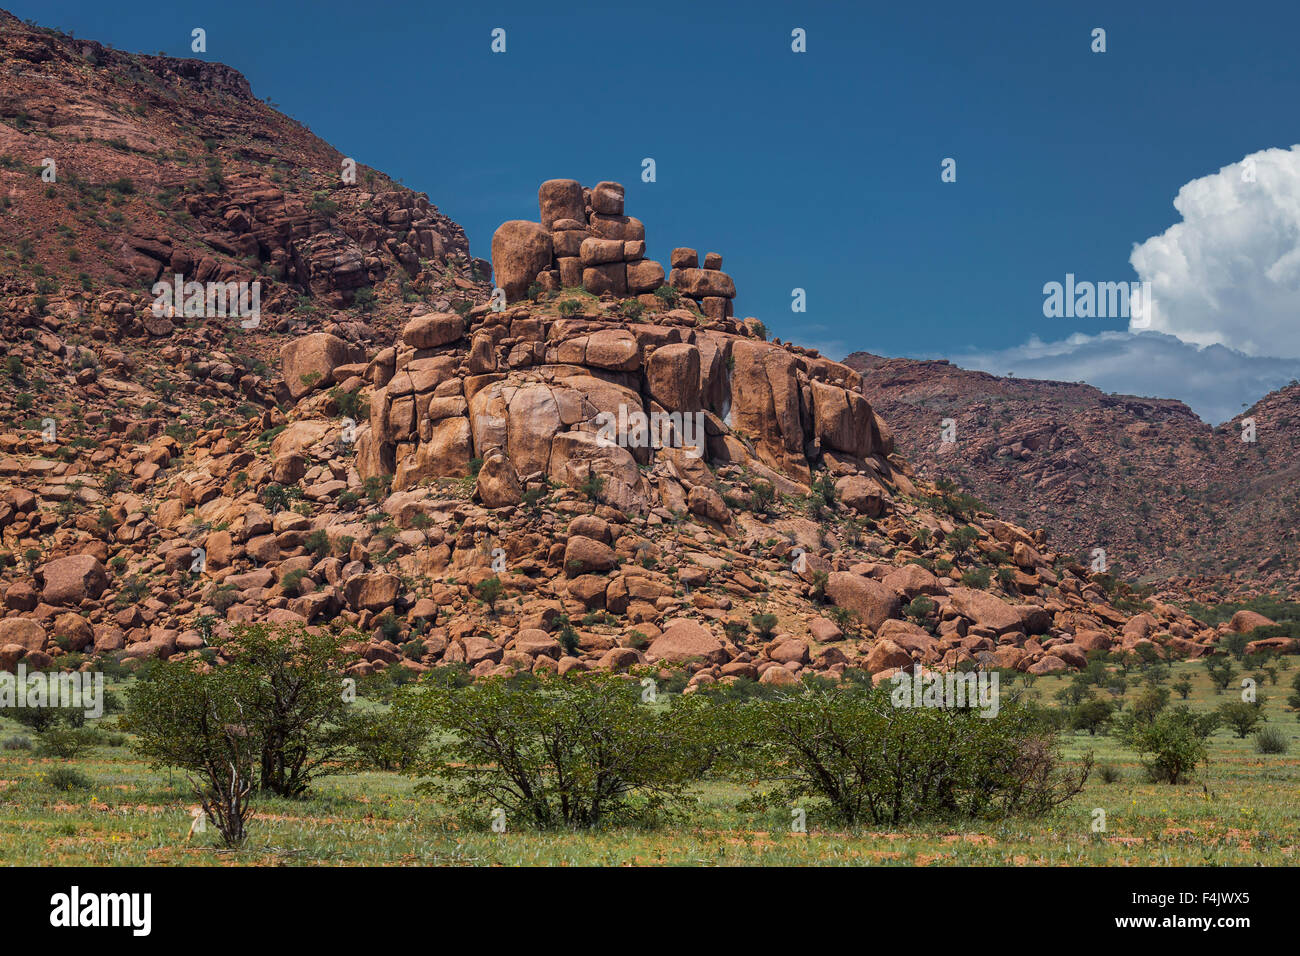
[(120, 169), (590, 464), (1168, 497)]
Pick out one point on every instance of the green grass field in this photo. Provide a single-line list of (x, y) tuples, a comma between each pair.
[(1244, 809)]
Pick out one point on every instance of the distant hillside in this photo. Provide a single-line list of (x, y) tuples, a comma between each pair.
[(1165, 494)]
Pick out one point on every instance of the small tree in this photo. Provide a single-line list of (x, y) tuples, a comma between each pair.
[(869, 760), (668, 295), (489, 591), (1091, 715), (1172, 745), (1235, 644), (196, 721), (422, 523), (919, 608), (823, 491), (289, 680), (765, 624), (962, 539), (1150, 703), (593, 486), (377, 487), (392, 739), (578, 751), (1221, 673), (565, 634), (1293, 700), (1241, 716), (318, 543), (275, 497)]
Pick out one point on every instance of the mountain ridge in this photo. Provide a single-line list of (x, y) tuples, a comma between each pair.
[(1086, 463)]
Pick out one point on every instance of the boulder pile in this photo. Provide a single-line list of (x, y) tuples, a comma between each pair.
[(534, 386)]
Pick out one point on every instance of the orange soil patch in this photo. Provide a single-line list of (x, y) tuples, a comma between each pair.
[(981, 838)]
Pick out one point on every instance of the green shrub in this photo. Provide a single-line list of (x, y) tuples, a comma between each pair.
[(823, 491), (67, 778), (1091, 715), (578, 752), (1150, 703), (275, 497), (762, 496), (1171, 745), (350, 404), (66, 743), (1221, 673), (391, 739), (669, 296), (318, 543), (377, 487), (390, 628), (321, 203), (867, 760), (1241, 716), (919, 608), (764, 624), (39, 719), (846, 620), (291, 583), (962, 539), (566, 635), (276, 706), (592, 486), (1234, 644), (1271, 740), (489, 591)]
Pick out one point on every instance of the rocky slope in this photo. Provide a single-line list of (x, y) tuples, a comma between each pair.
[(119, 169), (1167, 496), (461, 477)]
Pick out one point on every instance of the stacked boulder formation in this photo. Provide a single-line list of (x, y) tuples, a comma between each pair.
[(710, 287), (584, 240)]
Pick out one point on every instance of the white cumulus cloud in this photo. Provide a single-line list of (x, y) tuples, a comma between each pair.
[(1229, 273)]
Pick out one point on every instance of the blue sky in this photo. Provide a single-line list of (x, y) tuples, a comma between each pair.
[(821, 170)]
